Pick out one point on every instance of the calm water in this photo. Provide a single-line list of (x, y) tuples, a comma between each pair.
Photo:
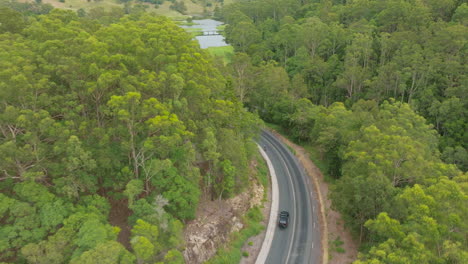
[(208, 25)]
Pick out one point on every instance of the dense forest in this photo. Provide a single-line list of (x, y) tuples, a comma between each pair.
[(379, 88), (123, 113), (410, 50)]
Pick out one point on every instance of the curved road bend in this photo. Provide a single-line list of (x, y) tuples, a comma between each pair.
[(300, 242)]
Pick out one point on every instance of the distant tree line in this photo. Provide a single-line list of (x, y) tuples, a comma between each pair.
[(412, 51)]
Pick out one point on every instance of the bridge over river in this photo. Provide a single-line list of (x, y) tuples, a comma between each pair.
[(207, 33)]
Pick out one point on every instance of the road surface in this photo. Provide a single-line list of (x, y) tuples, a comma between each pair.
[(300, 242)]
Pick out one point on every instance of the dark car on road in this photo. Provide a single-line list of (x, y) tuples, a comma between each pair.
[(283, 219)]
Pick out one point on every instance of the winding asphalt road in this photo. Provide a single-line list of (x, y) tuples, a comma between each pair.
[(300, 242)]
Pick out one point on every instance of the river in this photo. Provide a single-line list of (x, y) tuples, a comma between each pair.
[(208, 25)]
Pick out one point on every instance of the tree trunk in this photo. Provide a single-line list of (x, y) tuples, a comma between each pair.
[(360, 233), (133, 150)]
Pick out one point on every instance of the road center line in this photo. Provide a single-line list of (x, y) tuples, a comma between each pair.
[(294, 202), (282, 158)]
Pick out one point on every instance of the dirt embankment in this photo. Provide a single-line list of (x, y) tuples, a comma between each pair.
[(333, 225), (214, 221)]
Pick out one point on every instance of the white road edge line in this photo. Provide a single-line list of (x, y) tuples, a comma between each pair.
[(262, 256)]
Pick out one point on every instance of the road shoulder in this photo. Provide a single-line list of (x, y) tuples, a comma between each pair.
[(258, 246)]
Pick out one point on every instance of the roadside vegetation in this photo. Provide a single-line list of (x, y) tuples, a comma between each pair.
[(336, 244), (232, 252), (262, 175), (375, 90)]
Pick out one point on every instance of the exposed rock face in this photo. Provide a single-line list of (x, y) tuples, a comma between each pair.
[(257, 195), (202, 245), (215, 221)]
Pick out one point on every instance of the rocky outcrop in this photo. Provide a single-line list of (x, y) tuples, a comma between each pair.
[(215, 221)]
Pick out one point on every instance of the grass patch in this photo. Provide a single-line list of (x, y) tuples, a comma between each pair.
[(340, 250), (194, 31), (185, 23), (77, 4), (165, 10), (221, 29), (225, 52), (232, 253), (196, 7), (262, 171), (336, 244)]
